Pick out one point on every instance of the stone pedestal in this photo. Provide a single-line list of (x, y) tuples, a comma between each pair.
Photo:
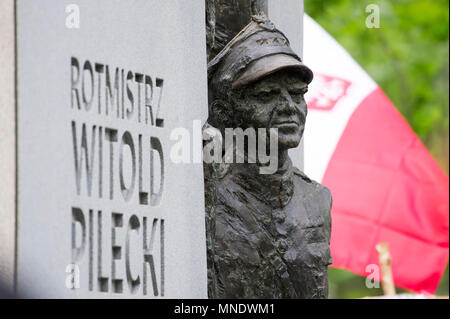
[(92, 204)]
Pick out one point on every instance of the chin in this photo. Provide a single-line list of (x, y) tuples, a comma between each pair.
[(288, 141)]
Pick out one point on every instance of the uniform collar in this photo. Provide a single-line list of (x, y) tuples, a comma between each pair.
[(275, 189)]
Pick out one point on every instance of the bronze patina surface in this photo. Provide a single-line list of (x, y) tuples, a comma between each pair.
[(268, 235)]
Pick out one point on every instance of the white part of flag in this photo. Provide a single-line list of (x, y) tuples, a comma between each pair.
[(338, 87)]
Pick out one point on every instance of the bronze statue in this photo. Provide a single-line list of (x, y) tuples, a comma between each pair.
[(267, 234)]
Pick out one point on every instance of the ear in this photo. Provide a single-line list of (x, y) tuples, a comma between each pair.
[(220, 114)]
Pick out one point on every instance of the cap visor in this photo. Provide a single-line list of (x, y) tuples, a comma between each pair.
[(271, 64)]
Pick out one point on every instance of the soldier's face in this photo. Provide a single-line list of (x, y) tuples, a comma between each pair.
[(277, 101)]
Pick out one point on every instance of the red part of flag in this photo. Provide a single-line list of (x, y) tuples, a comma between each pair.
[(386, 187)]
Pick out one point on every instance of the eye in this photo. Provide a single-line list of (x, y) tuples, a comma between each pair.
[(297, 93), (265, 95)]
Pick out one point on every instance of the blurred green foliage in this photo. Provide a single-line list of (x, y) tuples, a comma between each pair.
[(408, 57)]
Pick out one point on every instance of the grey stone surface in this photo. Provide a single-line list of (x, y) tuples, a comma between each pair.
[(61, 221), (7, 146)]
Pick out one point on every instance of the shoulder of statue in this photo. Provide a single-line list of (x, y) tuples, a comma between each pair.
[(321, 191), (301, 174)]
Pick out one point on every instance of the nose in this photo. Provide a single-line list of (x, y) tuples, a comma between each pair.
[(303, 109), (287, 106)]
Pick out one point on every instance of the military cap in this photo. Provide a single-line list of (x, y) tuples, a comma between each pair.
[(256, 51)]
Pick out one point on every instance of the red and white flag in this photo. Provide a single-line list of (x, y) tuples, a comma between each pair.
[(386, 186)]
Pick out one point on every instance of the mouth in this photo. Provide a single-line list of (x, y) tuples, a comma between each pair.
[(288, 124)]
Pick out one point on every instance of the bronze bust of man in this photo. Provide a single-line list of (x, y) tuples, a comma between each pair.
[(267, 234)]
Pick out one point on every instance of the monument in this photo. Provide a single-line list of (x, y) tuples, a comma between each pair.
[(268, 234), (92, 93)]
